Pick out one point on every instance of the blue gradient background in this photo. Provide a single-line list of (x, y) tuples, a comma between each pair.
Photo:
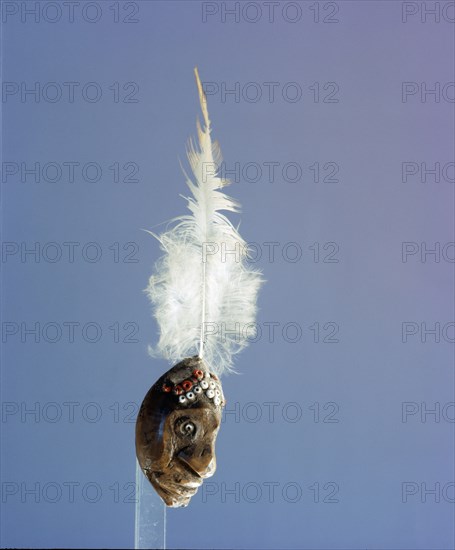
[(369, 292)]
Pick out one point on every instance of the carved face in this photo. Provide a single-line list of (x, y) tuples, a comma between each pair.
[(176, 431)]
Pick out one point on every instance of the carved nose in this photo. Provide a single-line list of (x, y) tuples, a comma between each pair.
[(201, 459)]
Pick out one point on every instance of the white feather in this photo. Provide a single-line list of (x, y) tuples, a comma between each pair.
[(204, 297)]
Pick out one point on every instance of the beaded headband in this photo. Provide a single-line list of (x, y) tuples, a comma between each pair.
[(192, 388)]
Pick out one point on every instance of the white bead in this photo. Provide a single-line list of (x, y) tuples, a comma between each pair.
[(204, 385), (182, 399), (217, 392), (197, 389), (217, 400), (190, 395), (212, 385), (207, 375), (210, 394)]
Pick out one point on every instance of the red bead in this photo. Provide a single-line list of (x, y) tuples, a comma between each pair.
[(187, 385), (166, 389), (198, 374), (178, 390)]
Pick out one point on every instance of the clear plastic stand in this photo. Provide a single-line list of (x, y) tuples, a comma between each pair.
[(150, 520)]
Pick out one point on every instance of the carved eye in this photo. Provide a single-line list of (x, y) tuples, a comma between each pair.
[(187, 428)]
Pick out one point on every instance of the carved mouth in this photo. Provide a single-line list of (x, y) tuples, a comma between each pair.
[(177, 493), (189, 470)]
